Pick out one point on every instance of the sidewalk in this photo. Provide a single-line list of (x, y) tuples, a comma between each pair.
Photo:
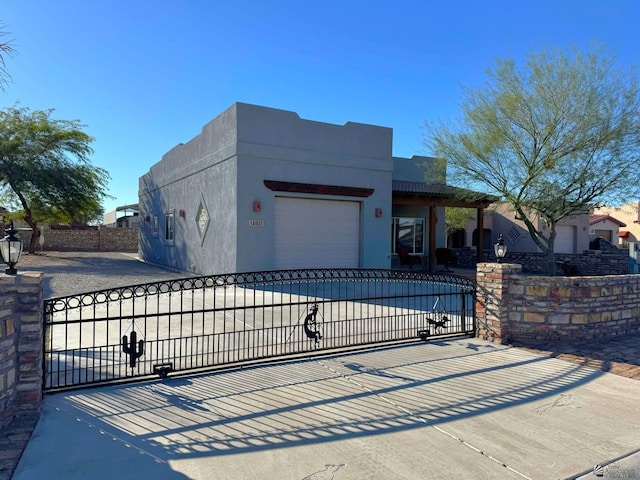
[(460, 409)]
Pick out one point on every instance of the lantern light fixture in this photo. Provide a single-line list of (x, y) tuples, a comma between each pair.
[(500, 248), (10, 249)]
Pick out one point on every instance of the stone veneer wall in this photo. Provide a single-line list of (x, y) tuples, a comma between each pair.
[(590, 262), (21, 330), (526, 309), (101, 239)]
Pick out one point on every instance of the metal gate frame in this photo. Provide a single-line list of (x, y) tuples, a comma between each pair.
[(206, 322)]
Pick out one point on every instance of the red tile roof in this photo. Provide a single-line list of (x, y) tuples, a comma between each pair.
[(593, 219)]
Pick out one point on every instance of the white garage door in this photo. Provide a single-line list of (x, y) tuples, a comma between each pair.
[(565, 239), (316, 233)]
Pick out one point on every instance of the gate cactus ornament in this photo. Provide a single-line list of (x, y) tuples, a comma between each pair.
[(134, 350)]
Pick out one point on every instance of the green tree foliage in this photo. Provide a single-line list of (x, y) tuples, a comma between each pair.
[(457, 218), (554, 139), (45, 169)]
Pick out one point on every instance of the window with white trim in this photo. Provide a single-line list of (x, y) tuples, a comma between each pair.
[(408, 233)]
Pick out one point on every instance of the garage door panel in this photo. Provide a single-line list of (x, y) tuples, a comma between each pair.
[(565, 239), (316, 233)]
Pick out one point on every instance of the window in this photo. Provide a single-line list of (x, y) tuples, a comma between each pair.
[(606, 234), (155, 226), (408, 233), (169, 226)]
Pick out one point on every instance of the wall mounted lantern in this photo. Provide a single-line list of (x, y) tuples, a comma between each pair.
[(500, 248), (10, 249)]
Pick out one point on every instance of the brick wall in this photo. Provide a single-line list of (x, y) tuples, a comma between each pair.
[(527, 309), (21, 298), (103, 238)]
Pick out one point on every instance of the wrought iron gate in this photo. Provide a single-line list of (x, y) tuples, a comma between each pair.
[(203, 322)]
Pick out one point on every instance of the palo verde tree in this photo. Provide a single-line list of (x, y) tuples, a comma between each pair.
[(5, 50), (45, 168), (553, 139)]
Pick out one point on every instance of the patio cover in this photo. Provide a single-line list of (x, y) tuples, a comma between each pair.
[(434, 195)]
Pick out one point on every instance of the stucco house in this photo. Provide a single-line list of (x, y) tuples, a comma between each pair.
[(572, 233), (629, 214), (605, 226), (263, 189)]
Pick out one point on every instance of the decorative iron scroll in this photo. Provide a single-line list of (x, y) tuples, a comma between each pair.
[(246, 279), (210, 321)]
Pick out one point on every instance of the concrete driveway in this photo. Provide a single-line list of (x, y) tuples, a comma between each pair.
[(458, 409)]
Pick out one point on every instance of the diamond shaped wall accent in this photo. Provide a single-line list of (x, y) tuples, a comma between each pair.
[(513, 234), (202, 219)]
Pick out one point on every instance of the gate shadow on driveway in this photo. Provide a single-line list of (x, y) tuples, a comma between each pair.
[(320, 400)]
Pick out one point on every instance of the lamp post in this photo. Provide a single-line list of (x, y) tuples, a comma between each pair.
[(10, 249), (500, 248)]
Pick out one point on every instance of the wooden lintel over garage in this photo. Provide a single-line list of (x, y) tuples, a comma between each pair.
[(435, 195), (318, 189)]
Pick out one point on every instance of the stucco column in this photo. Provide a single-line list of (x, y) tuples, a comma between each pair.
[(432, 239), (492, 304), (480, 230)]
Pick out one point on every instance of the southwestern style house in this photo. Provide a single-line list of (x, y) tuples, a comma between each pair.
[(262, 189)]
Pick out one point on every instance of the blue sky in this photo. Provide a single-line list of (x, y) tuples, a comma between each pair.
[(145, 75)]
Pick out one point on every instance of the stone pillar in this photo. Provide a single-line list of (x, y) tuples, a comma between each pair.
[(21, 333), (492, 304)]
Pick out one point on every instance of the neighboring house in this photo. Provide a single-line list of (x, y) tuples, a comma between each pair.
[(125, 216), (262, 189), (572, 234), (605, 226), (629, 214)]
